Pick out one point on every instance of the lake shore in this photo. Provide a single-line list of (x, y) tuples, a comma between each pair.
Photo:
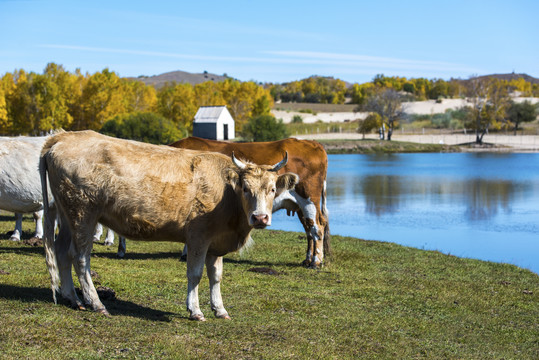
[(354, 143)]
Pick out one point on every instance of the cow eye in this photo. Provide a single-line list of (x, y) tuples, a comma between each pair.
[(273, 190)]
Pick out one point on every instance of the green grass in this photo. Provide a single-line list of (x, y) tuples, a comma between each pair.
[(375, 300)]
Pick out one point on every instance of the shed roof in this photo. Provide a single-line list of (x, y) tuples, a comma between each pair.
[(209, 114)]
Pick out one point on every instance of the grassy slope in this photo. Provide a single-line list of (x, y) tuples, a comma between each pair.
[(375, 300)]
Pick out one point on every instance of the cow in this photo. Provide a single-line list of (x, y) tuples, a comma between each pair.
[(209, 201), (20, 187), (308, 159)]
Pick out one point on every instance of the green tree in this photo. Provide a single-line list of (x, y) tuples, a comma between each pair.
[(147, 127), (521, 112), (371, 122), (264, 128)]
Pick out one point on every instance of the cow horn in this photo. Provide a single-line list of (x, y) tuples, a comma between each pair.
[(237, 162), (281, 163)]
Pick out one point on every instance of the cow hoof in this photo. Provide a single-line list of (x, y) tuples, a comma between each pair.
[(13, 238), (306, 263), (315, 266), (108, 243), (103, 312), (79, 307), (225, 316), (199, 317), (96, 239)]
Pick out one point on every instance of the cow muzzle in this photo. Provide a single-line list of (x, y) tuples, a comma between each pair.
[(260, 221)]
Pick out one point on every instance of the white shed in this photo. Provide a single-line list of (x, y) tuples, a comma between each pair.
[(213, 122)]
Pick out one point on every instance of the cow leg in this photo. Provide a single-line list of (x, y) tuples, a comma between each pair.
[(98, 232), (184, 253), (64, 258), (16, 236), (315, 245), (195, 266), (109, 239), (121, 247), (308, 211), (214, 269), (38, 219), (82, 246)]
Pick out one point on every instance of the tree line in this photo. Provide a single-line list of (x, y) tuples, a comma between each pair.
[(34, 104), (328, 90), (489, 107)]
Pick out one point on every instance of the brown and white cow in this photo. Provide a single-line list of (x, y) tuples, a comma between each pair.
[(306, 158), (209, 201)]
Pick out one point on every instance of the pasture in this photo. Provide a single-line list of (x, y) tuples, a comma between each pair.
[(375, 300)]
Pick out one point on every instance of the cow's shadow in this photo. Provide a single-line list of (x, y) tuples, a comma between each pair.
[(115, 307), (176, 255), (25, 234), (27, 250)]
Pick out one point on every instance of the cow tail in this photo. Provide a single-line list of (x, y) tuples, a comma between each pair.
[(50, 218), (325, 214)]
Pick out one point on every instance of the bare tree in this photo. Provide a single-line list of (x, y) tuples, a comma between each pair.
[(490, 100), (388, 104)]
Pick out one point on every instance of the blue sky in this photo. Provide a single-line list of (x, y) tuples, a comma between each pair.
[(273, 41)]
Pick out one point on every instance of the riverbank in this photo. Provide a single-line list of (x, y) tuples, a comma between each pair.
[(352, 143)]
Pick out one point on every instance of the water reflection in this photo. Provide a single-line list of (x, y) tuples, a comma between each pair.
[(484, 198), (382, 193), (387, 194)]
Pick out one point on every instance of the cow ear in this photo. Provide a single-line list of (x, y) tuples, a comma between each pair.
[(231, 177), (286, 181)]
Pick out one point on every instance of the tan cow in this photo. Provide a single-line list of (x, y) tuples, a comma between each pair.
[(309, 160), (206, 200)]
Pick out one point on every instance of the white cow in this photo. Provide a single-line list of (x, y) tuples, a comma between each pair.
[(20, 185)]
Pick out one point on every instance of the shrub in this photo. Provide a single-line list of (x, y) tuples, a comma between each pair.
[(147, 127), (264, 128), (297, 119)]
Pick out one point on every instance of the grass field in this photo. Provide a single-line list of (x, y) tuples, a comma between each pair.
[(375, 300)]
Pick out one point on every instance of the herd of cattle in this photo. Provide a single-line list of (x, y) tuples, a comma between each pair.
[(204, 193)]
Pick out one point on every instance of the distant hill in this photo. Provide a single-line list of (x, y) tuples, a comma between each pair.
[(511, 76), (179, 77)]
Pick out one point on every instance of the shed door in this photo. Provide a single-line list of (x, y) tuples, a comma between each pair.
[(225, 131)]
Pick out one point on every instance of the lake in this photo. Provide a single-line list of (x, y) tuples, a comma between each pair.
[(476, 205)]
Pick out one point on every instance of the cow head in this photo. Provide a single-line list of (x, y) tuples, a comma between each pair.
[(258, 185)]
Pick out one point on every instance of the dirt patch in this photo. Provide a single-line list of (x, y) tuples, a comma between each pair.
[(106, 293), (33, 241)]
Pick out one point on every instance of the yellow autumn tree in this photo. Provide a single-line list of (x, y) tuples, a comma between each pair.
[(6, 86), (53, 95), (102, 99), (177, 103), (140, 97)]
